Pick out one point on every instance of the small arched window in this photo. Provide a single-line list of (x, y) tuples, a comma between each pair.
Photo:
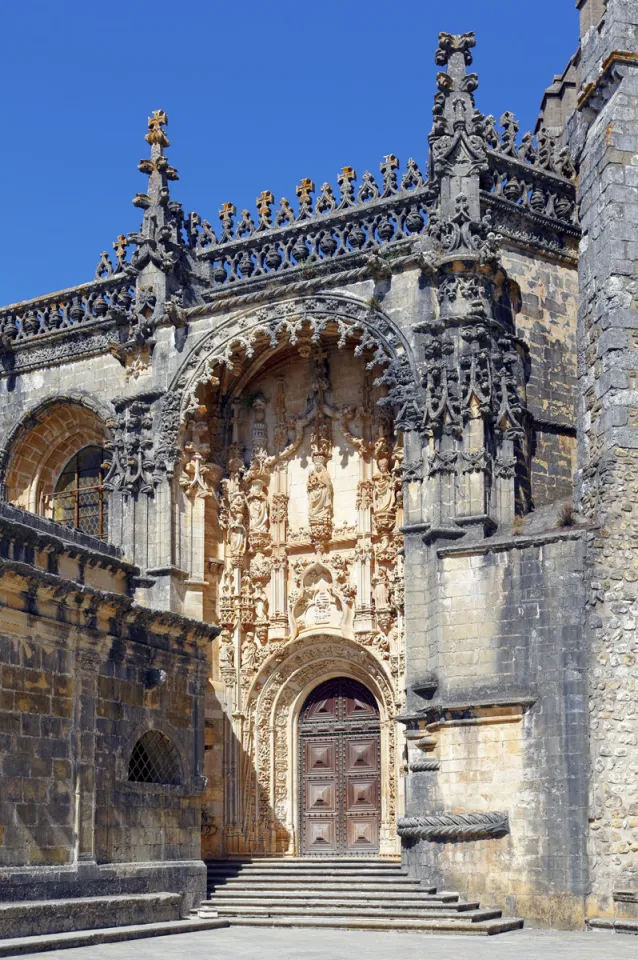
[(79, 499), (155, 760)]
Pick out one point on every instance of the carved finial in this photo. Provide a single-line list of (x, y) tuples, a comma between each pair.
[(156, 135), (226, 214), (388, 169), (304, 191), (120, 245), (264, 203), (346, 184), (450, 43)]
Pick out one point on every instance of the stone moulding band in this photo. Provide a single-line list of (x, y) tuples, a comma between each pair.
[(454, 826), (422, 766)]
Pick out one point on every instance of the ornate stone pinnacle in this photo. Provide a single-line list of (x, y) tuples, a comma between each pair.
[(348, 173), (156, 135), (450, 43)]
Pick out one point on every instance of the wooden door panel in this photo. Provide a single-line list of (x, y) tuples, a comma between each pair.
[(321, 757), (321, 837), (340, 786), (361, 754), (362, 796), (362, 834), (321, 797)]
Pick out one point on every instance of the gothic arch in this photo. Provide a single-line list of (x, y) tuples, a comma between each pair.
[(40, 444), (273, 704), (302, 322)]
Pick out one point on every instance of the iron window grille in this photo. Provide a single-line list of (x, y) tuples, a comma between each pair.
[(80, 499), (155, 760)]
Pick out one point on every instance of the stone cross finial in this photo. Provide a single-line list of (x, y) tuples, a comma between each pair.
[(120, 245), (264, 203), (388, 170), (226, 214), (346, 184), (156, 135), (304, 190)]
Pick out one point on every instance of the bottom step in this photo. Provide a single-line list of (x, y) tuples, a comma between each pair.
[(19, 946), (481, 928)]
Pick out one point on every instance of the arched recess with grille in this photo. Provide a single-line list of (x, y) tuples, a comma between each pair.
[(155, 759), (41, 445)]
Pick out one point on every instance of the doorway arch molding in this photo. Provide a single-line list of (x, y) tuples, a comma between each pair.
[(271, 734)]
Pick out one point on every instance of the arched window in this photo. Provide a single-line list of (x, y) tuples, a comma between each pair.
[(154, 760), (79, 499)]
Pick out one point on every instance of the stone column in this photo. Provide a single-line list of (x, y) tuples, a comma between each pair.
[(87, 664)]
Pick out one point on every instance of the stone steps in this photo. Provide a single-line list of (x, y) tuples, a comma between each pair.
[(341, 894), (26, 917), (19, 946), (471, 914), (452, 926), (286, 896)]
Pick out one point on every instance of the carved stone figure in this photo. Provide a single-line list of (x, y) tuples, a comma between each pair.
[(384, 485), (258, 507), (320, 491), (236, 526)]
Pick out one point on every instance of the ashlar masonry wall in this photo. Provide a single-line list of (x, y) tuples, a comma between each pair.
[(507, 726), (604, 140)]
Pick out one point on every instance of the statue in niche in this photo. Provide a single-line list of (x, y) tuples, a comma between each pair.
[(381, 586), (319, 485), (384, 487), (227, 655), (258, 506), (248, 652), (236, 526)]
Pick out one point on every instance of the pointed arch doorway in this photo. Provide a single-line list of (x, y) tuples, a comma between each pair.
[(339, 764)]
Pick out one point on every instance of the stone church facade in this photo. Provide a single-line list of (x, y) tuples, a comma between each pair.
[(381, 445)]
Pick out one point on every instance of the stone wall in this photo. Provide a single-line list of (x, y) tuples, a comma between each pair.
[(604, 138), (546, 320), (85, 673), (507, 726)]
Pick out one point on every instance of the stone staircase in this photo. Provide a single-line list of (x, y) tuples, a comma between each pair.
[(364, 894), (34, 926)]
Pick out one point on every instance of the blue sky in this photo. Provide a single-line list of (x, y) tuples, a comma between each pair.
[(258, 95)]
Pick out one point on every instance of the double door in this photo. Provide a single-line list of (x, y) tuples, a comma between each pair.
[(340, 770)]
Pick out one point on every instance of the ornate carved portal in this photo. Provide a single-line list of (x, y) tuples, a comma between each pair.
[(291, 482), (339, 757)]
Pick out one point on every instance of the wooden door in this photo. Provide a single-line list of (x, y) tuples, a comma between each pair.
[(340, 776)]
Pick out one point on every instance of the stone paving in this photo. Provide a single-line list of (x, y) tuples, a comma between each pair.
[(269, 944)]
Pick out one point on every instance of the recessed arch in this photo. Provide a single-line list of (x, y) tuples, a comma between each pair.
[(42, 443)]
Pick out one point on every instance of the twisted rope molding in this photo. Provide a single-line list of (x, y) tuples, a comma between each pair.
[(454, 826), (228, 299), (420, 765)]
